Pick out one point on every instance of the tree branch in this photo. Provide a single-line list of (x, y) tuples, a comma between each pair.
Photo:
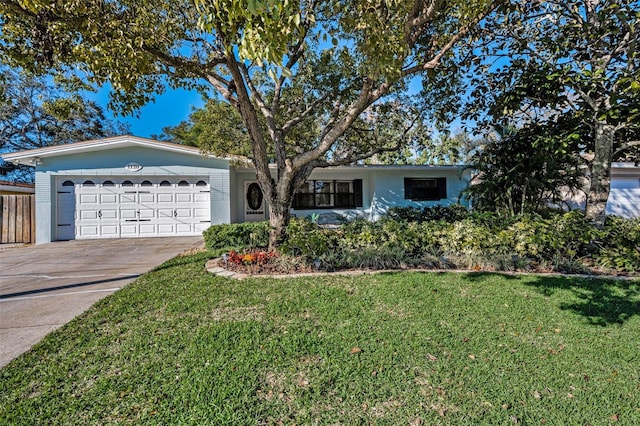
[(435, 61)]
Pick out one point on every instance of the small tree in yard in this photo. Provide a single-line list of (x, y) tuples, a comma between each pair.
[(283, 65), (527, 169)]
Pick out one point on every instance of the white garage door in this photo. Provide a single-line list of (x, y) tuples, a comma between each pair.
[(113, 208)]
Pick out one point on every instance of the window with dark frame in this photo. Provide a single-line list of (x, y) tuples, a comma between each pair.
[(326, 194), (425, 189)]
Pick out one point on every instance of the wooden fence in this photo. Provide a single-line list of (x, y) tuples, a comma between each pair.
[(18, 220)]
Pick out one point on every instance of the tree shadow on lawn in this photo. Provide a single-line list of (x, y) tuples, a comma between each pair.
[(600, 301)]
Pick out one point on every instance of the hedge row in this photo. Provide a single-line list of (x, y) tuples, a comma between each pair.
[(561, 242)]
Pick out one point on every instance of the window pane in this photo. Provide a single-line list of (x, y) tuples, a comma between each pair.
[(304, 200), (323, 186), (323, 200), (343, 187), (345, 200)]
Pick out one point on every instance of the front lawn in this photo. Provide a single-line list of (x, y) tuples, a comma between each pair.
[(179, 346)]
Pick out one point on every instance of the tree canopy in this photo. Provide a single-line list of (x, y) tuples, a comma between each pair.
[(540, 61), (283, 65), (34, 113)]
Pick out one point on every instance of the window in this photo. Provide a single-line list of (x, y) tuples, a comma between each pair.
[(108, 183), (324, 194), (146, 183), (127, 183), (165, 183), (425, 189), (201, 183), (67, 183), (183, 183), (88, 183)]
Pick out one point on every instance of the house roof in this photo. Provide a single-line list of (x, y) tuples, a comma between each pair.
[(32, 156), (16, 187), (625, 169)]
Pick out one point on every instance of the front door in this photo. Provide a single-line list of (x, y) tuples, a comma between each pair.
[(254, 209)]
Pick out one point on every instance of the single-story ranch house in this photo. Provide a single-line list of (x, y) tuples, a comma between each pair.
[(127, 186)]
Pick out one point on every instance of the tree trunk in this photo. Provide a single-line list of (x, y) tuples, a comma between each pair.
[(600, 174), (278, 221)]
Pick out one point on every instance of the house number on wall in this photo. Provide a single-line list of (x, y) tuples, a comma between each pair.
[(133, 167)]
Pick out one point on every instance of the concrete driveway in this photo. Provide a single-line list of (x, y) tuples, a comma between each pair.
[(45, 286)]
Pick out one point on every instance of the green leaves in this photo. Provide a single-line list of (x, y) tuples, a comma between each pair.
[(262, 30)]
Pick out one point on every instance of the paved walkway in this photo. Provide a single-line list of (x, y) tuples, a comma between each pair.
[(45, 286)]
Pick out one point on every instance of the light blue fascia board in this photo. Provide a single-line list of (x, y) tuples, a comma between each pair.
[(151, 160)]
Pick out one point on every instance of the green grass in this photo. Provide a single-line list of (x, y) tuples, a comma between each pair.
[(179, 346)]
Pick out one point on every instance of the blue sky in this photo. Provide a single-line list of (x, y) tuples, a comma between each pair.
[(169, 109)]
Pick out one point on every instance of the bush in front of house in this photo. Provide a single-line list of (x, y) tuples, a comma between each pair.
[(561, 242), (619, 245), (237, 236), (451, 213)]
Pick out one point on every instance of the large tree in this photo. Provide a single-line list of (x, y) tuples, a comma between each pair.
[(547, 59), (35, 113), (317, 64)]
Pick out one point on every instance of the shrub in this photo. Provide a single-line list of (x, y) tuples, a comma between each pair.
[(450, 214), (468, 238), (306, 238), (238, 236), (410, 214), (620, 245)]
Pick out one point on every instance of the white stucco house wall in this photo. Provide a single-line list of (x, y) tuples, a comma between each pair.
[(127, 186)]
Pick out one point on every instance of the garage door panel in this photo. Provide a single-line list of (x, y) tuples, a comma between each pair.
[(109, 214), (165, 198), (166, 228), (129, 230), (109, 231), (147, 229), (108, 198), (165, 213), (128, 214), (183, 213), (183, 198), (88, 231), (201, 197), (183, 228), (88, 198), (201, 213), (146, 213), (88, 214), (147, 198), (128, 198)]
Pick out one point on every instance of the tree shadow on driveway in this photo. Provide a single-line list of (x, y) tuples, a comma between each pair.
[(600, 301)]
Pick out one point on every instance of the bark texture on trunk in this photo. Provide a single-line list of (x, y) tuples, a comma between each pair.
[(600, 174)]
